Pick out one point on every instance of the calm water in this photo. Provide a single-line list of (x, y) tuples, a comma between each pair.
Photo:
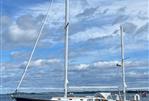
[(8, 97)]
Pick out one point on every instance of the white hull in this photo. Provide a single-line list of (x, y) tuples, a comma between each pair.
[(100, 97), (91, 98)]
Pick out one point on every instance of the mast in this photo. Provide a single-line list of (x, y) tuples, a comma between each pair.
[(122, 64), (66, 48)]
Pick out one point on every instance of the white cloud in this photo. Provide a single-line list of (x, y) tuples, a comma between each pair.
[(133, 47), (133, 14), (93, 33), (142, 33), (104, 64), (129, 28), (124, 11), (111, 64), (42, 62), (33, 63), (24, 30), (56, 13), (82, 66), (56, 18), (48, 41), (135, 74), (17, 34)]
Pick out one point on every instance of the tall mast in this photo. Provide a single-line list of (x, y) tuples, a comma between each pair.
[(122, 64), (66, 47)]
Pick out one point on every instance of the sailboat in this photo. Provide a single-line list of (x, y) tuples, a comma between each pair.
[(101, 97), (66, 97)]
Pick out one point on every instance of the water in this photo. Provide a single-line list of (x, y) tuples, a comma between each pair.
[(5, 97)]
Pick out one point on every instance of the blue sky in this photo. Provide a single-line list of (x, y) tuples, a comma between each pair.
[(94, 43)]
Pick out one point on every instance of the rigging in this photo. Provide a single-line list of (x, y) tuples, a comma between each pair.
[(35, 45)]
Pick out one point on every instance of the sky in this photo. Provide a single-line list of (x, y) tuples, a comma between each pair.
[(94, 43)]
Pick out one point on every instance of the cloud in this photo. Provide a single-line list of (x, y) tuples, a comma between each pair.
[(88, 12), (143, 15), (120, 19), (82, 66), (92, 33), (36, 12), (19, 55), (111, 64), (24, 29), (129, 28), (42, 62), (23, 32), (27, 22), (49, 68), (16, 34), (94, 36), (117, 15), (34, 63), (96, 73), (105, 64), (142, 32), (41, 9), (143, 29), (134, 74)]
